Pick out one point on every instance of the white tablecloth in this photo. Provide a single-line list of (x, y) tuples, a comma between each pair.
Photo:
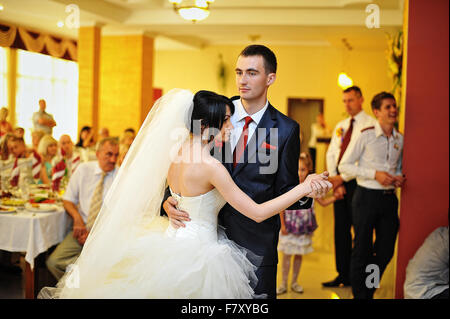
[(33, 233)]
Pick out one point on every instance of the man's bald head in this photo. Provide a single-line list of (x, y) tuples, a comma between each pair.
[(66, 144)]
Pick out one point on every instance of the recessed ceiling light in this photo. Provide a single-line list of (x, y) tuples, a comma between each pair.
[(1, 7), (60, 24)]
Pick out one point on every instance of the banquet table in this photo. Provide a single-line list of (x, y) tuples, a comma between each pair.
[(32, 233)]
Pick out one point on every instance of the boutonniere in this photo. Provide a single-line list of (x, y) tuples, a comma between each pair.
[(396, 146), (268, 146), (339, 132)]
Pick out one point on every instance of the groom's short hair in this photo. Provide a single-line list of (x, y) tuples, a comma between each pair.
[(270, 60)]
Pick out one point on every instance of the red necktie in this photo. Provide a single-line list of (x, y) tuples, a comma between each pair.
[(346, 140), (240, 146)]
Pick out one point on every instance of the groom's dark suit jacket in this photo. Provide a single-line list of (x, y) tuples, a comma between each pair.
[(262, 238)]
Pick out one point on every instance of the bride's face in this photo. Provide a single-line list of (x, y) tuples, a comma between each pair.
[(227, 127)]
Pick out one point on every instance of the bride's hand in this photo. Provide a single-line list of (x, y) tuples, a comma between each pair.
[(319, 184)]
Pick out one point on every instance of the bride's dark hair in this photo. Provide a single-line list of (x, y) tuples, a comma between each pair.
[(210, 109)]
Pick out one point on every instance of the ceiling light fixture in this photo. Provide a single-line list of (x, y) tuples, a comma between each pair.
[(195, 11)]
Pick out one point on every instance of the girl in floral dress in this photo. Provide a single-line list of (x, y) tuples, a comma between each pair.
[(297, 228)]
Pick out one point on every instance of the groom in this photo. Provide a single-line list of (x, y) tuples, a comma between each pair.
[(270, 134)]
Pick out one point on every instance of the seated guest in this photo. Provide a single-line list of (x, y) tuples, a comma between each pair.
[(82, 201), (47, 149), (5, 146), (86, 138), (5, 126), (68, 154), (131, 131), (36, 138), (18, 148), (103, 133), (427, 271), (19, 132)]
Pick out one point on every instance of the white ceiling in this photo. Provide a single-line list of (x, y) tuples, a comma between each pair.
[(231, 22)]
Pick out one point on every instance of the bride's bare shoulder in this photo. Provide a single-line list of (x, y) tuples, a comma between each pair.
[(213, 165)]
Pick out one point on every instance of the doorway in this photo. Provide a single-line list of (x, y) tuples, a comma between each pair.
[(304, 111)]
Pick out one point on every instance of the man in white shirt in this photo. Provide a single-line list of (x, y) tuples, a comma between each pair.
[(43, 121), (376, 160), (345, 132), (82, 200)]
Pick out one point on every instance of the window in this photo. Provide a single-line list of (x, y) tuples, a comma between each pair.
[(55, 80), (3, 78)]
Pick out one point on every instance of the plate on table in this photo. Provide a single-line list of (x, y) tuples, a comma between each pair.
[(16, 202), (7, 210), (41, 208)]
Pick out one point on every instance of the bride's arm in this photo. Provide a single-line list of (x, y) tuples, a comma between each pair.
[(221, 179)]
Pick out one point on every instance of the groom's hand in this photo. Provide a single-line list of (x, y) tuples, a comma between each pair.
[(176, 217)]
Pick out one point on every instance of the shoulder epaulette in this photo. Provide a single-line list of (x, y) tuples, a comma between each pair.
[(367, 128)]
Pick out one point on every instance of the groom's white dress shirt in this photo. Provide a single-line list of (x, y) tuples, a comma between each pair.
[(238, 121)]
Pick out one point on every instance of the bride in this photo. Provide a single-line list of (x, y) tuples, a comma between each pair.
[(132, 252)]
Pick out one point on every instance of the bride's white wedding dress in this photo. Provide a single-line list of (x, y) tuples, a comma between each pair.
[(196, 261)]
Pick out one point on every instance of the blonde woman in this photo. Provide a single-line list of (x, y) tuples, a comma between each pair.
[(47, 148), (123, 149), (5, 126), (127, 138)]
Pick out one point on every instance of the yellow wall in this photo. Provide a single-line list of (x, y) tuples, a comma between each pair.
[(88, 70), (303, 71), (125, 81)]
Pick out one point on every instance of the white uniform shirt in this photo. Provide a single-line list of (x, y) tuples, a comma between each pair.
[(362, 120), (373, 151), (83, 183), (238, 121)]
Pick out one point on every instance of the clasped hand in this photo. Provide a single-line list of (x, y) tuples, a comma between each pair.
[(319, 184), (80, 233), (387, 179)]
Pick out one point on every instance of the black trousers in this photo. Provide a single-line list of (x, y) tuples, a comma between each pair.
[(373, 210), (312, 152), (267, 281), (342, 231)]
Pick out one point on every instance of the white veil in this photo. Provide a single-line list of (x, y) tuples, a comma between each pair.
[(136, 194)]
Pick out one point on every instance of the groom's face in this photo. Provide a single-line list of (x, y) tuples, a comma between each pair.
[(251, 78)]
